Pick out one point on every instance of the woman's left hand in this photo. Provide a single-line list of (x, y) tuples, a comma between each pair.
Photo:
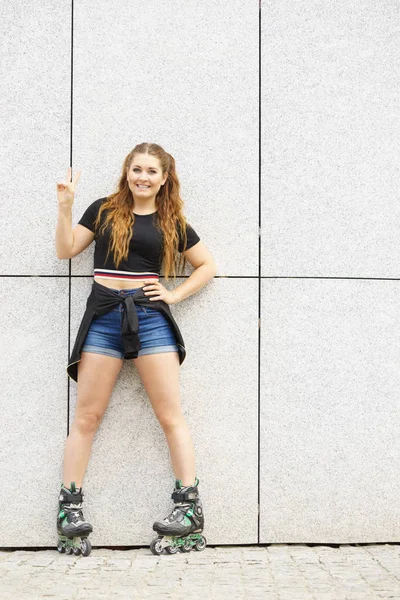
[(155, 290)]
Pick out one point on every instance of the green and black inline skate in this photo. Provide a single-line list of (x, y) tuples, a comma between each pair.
[(72, 529), (181, 529)]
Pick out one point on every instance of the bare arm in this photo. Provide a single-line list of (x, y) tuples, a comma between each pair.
[(205, 269), (69, 242), (64, 234)]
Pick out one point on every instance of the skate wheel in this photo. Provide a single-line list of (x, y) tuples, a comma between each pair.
[(61, 547), (156, 546), (86, 547), (186, 547), (201, 544), (171, 549), (76, 551), (68, 550)]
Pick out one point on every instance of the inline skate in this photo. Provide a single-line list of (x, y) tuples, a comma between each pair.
[(181, 529), (72, 529)]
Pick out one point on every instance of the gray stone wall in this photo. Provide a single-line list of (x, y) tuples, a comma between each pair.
[(295, 423)]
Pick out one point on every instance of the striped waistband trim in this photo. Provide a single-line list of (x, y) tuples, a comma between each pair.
[(124, 275)]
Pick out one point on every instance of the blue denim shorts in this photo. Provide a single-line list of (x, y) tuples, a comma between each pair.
[(155, 332)]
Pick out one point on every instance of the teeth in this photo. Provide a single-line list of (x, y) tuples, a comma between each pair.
[(143, 186)]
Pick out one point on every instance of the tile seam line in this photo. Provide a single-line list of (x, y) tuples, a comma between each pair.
[(259, 287), (71, 163)]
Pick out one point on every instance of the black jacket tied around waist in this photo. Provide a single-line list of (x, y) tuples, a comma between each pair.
[(100, 301)]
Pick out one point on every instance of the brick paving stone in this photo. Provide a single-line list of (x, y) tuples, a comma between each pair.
[(281, 572)]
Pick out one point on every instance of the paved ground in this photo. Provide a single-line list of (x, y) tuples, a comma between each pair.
[(279, 571)]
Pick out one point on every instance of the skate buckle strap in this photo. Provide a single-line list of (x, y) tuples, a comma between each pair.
[(181, 495), (72, 498)]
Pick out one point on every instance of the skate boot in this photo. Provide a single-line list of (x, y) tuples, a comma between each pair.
[(72, 529), (181, 529)]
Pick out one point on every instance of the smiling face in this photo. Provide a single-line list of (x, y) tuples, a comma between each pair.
[(145, 176)]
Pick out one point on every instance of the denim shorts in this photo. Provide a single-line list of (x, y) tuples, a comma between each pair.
[(155, 332)]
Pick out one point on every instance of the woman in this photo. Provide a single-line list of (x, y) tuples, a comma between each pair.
[(137, 230)]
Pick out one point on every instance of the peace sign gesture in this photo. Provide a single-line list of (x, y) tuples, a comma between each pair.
[(66, 189)]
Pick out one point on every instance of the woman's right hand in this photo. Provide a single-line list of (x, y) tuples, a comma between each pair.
[(66, 189)]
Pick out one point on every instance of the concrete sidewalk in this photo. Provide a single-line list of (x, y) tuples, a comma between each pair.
[(278, 571)]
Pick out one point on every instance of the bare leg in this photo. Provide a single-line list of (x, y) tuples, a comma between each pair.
[(160, 376), (97, 375)]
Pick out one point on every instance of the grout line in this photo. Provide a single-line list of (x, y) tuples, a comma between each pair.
[(259, 273), (70, 261)]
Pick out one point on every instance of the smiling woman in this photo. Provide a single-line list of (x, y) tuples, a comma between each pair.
[(145, 179), (138, 231)]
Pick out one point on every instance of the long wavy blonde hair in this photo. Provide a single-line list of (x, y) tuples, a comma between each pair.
[(169, 205)]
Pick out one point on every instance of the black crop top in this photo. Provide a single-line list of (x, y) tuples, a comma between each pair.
[(145, 248)]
